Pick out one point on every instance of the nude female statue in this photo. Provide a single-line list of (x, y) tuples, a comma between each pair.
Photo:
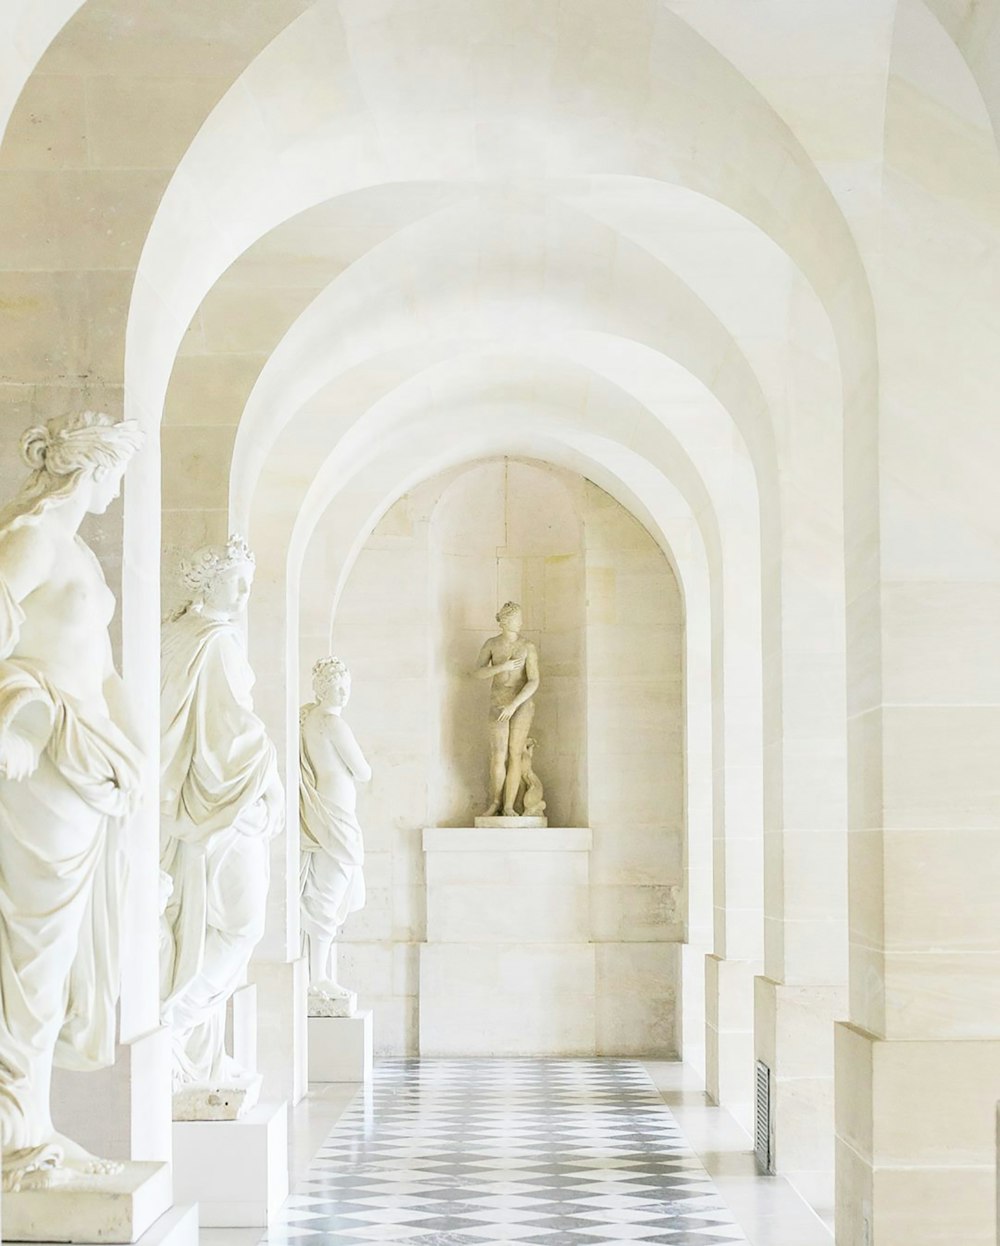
[(332, 882), (70, 776), (221, 804), (511, 663)]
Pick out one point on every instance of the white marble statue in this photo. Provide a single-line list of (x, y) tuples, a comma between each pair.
[(511, 664), (70, 776), (332, 871), (221, 804)]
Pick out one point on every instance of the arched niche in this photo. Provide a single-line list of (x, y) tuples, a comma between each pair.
[(603, 606)]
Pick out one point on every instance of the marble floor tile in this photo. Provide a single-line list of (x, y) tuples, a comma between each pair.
[(482, 1152)]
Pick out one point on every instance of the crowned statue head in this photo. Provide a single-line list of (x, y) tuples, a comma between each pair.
[(331, 682), (219, 579)]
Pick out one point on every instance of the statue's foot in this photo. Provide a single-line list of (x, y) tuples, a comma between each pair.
[(57, 1162), (493, 810), (510, 813), (33, 1168), (79, 1159)]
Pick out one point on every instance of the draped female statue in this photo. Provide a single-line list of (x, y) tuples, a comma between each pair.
[(332, 881), (221, 804), (70, 776)]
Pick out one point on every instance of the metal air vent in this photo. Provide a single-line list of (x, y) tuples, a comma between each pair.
[(762, 1118)]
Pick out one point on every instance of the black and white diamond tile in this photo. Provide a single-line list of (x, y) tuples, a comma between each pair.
[(529, 1152)]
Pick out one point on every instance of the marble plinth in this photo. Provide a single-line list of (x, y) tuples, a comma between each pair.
[(281, 1026), (237, 1171), (496, 999), (118, 1208), (176, 1227), (134, 1094), (207, 1102), (518, 823), (241, 1027), (508, 967), (341, 1048)]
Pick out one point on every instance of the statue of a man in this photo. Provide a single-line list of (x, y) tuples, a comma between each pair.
[(511, 663), (221, 804), (70, 777), (332, 879)]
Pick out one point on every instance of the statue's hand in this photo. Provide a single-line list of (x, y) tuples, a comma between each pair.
[(506, 714)]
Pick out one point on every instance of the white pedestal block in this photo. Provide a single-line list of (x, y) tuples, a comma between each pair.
[(241, 1027), (281, 1026), (134, 1093), (340, 1048), (237, 1171), (494, 999), (176, 1227), (117, 1208), (508, 967)]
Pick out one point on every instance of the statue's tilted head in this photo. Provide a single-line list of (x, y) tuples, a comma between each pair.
[(219, 576), (510, 615), (88, 441), (331, 680), (86, 450)]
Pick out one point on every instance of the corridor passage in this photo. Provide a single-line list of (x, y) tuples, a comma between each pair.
[(476, 1152)]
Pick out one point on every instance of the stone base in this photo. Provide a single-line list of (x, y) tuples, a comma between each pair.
[(176, 1227), (237, 1171), (134, 1094), (117, 1208), (729, 1037), (322, 1005), (241, 1027), (206, 1102), (341, 1048), (281, 1026), (916, 1159), (518, 823), (793, 1028), (505, 999)]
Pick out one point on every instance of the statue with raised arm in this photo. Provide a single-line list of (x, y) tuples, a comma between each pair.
[(511, 664), (70, 776), (332, 882), (221, 803)]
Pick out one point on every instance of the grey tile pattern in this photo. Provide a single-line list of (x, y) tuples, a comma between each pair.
[(482, 1152)]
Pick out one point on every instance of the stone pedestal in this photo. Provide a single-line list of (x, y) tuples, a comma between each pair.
[(729, 1037), (114, 1209), (508, 967), (281, 1027), (241, 1027), (793, 1035), (134, 1093), (237, 1171), (916, 1138), (176, 1227), (341, 1048)]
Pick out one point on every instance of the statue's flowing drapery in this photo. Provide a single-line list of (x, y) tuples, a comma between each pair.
[(331, 878), (217, 764), (62, 881)]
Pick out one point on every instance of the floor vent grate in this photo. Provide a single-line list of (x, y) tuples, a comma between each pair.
[(762, 1118)]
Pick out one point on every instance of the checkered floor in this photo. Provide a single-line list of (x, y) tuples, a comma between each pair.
[(479, 1152)]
